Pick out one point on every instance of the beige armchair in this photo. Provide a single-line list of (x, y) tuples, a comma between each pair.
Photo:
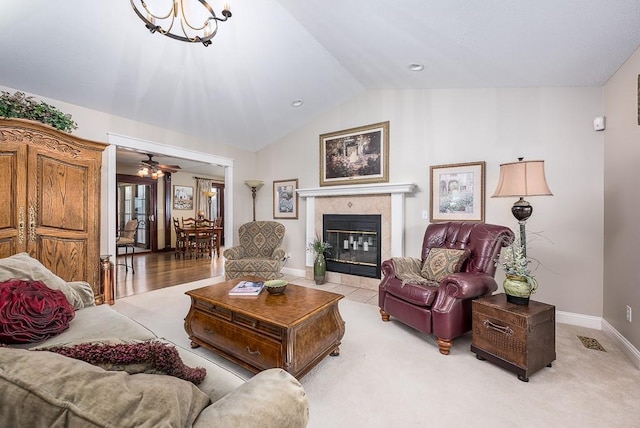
[(259, 252)]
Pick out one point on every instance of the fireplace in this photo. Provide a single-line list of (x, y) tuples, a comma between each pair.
[(355, 243), (385, 200)]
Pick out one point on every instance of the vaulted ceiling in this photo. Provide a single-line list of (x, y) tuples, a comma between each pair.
[(239, 90)]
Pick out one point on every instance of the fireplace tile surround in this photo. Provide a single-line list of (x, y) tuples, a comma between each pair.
[(385, 199)]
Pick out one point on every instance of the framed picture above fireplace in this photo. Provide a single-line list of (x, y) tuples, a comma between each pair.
[(457, 192), (285, 198), (355, 156)]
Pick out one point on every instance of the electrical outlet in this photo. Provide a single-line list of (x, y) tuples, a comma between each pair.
[(425, 215), (629, 314)]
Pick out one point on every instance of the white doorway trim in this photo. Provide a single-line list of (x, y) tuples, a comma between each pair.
[(108, 197)]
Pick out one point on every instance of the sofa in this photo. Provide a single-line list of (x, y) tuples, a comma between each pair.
[(40, 386)]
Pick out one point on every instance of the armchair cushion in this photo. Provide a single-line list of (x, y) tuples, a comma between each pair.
[(442, 262)]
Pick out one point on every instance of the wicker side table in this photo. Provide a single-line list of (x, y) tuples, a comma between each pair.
[(518, 338)]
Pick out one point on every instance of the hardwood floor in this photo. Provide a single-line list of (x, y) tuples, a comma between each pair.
[(158, 270)]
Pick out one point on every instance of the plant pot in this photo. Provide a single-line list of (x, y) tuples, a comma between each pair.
[(519, 289), (319, 269)]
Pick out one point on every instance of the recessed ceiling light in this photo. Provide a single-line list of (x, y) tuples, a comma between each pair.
[(297, 103), (416, 67)]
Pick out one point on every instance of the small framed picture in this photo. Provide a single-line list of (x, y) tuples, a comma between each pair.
[(355, 156), (457, 192), (285, 198), (182, 197)]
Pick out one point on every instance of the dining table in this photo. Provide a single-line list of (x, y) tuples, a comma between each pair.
[(193, 231)]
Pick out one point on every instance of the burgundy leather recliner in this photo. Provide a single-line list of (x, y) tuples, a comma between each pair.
[(444, 309)]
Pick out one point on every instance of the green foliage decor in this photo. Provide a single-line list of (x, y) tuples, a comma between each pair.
[(21, 106)]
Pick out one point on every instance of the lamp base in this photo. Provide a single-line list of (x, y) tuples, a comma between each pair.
[(521, 210)]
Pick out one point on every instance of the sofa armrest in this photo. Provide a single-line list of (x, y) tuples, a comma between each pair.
[(272, 398), (234, 253)]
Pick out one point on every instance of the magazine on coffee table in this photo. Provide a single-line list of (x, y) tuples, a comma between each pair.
[(247, 288)]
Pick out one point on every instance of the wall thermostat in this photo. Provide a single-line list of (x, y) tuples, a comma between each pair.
[(599, 123)]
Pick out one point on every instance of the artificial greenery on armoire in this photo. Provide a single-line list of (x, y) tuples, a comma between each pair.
[(21, 106)]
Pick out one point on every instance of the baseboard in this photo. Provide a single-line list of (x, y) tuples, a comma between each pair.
[(579, 320), (627, 348), (294, 272), (597, 323)]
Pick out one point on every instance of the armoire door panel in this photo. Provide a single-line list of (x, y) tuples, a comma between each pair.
[(7, 247), (63, 195), (67, 258), (13, 158)]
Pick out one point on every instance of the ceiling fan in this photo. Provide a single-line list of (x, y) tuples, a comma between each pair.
[(154, 168)]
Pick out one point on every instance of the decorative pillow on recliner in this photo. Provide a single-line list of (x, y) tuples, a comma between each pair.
[(442, 262), (31, 312)]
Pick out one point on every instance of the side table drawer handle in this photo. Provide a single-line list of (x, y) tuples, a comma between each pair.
[(208, 330), (252, 352), (507, 331)]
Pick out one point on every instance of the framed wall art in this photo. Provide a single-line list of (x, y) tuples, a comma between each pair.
[(457, 192), (182, 197), (355, 156), (285, 198)]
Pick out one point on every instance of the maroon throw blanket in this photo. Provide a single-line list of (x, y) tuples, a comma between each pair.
[(31, 312)]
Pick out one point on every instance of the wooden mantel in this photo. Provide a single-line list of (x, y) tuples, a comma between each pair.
[(397, 192)]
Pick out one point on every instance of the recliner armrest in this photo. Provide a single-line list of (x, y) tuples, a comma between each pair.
[(463, 285)]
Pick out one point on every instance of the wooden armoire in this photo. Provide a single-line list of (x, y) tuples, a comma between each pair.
[(50, 180)]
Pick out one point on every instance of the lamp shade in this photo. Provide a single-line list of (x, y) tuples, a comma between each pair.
[(523, 178), (254, 183)]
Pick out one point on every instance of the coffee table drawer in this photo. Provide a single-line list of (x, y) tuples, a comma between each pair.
[(243, 343)]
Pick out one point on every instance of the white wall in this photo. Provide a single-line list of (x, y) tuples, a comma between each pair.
[(622, 200), (435, 127)]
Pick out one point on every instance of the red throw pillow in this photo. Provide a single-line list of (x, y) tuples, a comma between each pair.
[(31, 312)]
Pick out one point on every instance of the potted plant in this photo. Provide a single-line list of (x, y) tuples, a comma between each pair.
[(519, 283), (318, 247)]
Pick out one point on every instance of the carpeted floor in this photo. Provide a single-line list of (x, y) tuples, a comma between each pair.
[(388, 375)]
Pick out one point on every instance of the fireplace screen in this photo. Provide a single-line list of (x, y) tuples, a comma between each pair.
[(355, 244)]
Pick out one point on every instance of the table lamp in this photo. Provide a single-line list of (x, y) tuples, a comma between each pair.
[(520, 179)]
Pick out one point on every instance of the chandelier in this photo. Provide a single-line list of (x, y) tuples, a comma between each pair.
[(179, 20)]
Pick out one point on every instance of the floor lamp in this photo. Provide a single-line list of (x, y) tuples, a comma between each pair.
[(209, 194), (520, 179), (254, 185)]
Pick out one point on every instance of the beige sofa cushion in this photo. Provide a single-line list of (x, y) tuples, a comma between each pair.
[(23, 266), (47, 389)]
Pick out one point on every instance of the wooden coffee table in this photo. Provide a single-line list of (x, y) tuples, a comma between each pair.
[(293, 331)]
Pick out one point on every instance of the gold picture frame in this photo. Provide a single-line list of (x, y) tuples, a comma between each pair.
[(457, 192), (355, 156)]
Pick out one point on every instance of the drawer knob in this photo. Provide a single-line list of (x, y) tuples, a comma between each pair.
[(252, 352), (506, 330)]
